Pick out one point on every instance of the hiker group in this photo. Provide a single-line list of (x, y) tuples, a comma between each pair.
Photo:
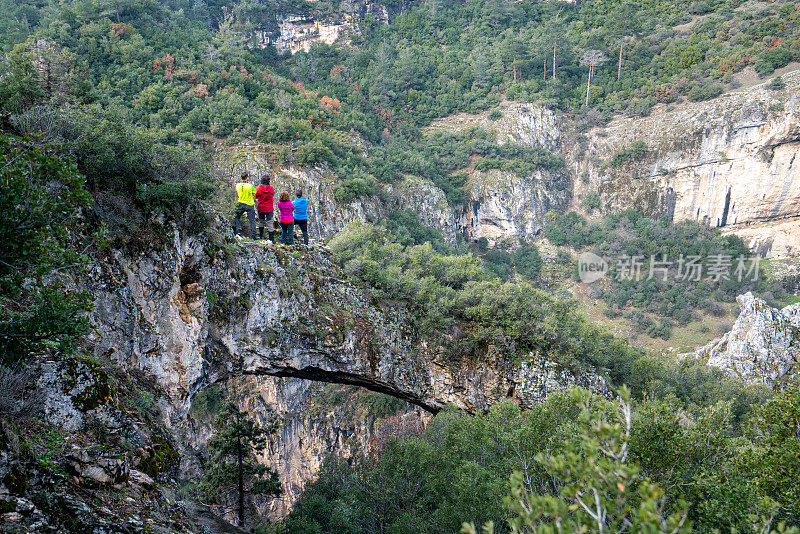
[(257, 203)]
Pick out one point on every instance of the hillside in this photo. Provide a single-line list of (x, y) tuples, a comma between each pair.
[(445, 353)]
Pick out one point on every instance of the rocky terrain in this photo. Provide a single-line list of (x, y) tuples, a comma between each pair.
[(703, 162), (187, 314), (727, 162), (763, 347)]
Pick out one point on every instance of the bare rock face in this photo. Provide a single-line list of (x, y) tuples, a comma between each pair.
[(762, 347), (521, 124), (728, 162), (504, 206)]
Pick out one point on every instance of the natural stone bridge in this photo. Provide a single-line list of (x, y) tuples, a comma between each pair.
[(196, 312)]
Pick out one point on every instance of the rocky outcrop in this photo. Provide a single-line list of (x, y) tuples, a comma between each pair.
[(273, 310), (763, 346), (731, 161), (327, 215), (503, 206), (203, 310), (518, 123), (507, 208), (293, 32)]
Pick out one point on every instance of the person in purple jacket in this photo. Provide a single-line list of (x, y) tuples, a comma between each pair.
[(286, 211), (301, 214)]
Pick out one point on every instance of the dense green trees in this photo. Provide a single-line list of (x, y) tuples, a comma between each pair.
[(41, 201), (579, 461), (672, 293), (181, 68)]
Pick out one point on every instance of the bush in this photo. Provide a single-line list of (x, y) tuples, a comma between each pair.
[(357, 185), (591, 201), (705, 91), (776, 84), (635, 152), (774, 58), (528, 261)]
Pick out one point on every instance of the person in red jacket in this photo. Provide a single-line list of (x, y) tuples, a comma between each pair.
[(264, 195)]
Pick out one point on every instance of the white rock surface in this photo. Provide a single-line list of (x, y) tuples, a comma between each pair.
[(762, 347)]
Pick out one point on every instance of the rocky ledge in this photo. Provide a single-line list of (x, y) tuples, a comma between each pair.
[(763, 347)]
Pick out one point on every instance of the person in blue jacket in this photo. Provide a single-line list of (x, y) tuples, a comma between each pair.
[(301, 214)]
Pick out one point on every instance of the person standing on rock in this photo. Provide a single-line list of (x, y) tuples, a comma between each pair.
[(286, 212), (301, 214), (245, 193), (264, 206)]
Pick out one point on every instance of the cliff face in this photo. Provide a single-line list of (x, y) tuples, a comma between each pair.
[(728, 162), (503, 205), (763, 346), (191, 312), (195, 312)]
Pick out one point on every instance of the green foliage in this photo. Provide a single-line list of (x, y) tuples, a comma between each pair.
[(208, 403), (635, 152), (705, 91), (354, 186), (233, 466), (599, 489), (591, 201), (379, 405), (654, 464), (772, 59), (19, 87), (119, 159), (514, 318), (406, 229), (527, 261), (40, 200), (571, 229), (776, 84), (775, 457), (676, 297)]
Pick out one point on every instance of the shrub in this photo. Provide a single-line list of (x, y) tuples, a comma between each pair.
[(705, 91), (774, 58), (591, 201), (635, 152), (528, 261), (358, 184), (776, 84)]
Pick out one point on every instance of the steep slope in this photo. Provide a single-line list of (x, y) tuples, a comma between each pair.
[(728, 162)]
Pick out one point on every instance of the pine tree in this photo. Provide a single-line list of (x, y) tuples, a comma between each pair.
[(233, 466)]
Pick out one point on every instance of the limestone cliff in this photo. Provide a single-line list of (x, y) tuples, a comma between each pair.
[(763, 347), (728, 162), (190, 311), (501, 205)]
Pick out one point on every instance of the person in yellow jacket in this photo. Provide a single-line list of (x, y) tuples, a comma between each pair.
[(245, 192)]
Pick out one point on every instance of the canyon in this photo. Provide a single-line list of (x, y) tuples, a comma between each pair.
[(728, 163)]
